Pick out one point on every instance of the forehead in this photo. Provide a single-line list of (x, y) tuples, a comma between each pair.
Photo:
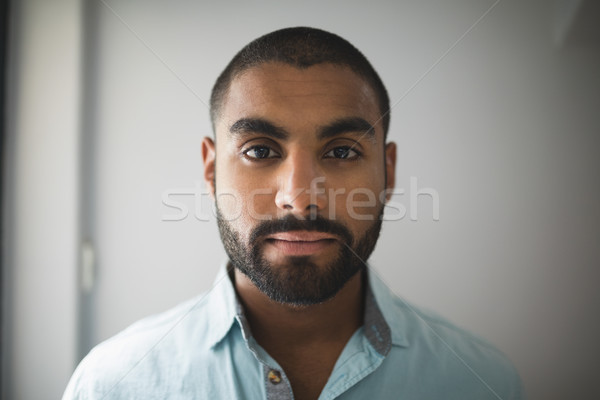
[(298, 98)]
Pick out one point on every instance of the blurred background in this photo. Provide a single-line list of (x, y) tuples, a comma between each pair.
[(496, 108)]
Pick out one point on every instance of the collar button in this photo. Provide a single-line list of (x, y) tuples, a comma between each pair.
[(274, 376)]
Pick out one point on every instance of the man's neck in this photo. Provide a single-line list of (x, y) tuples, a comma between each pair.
[(281, 324), (306, 341)]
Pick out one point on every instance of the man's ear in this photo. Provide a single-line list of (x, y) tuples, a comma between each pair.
[(390, 168), (208, 156)]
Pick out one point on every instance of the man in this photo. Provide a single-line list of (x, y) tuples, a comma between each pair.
[(300, 171)]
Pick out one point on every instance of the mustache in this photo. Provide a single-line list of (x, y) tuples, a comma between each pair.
[(292, 223)]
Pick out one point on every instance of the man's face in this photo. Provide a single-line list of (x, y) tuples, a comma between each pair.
[(299, 167)]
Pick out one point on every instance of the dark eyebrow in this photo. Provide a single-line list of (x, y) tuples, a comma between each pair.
[(257, 125), (348, 125)]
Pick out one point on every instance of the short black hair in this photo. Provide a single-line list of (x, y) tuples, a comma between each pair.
[(300, 47)]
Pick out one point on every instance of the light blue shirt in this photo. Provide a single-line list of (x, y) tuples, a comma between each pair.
[(203, 349)]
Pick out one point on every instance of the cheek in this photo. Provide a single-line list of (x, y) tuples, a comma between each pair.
[(357, 203), (362, 185), (247, 191), (356, 207), (244, 198), (232, 212), (229, 204)]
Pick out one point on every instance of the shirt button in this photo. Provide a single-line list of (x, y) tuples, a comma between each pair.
[(274, 376)]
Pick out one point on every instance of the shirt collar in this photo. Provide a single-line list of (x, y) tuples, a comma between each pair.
[(387, 306), (382, 323), (223, 306)]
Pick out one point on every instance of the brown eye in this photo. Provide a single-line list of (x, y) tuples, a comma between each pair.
[(343, 153), (260, 152)]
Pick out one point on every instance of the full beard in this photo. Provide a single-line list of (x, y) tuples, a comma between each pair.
[(300, 281)]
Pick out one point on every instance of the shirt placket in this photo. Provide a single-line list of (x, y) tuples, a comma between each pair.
[(276, 383)]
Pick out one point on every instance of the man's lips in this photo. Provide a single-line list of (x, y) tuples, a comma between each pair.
[(299, 243), (301, 236)]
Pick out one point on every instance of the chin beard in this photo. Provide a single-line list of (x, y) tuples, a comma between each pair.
[(300, 281)]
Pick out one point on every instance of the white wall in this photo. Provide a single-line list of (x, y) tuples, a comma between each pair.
[(41, 199), (504, 128)]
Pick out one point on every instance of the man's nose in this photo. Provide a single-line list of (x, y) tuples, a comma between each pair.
[(301, 185)]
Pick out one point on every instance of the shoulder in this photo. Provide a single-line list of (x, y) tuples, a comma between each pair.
[(143, 350), (457, 357)]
